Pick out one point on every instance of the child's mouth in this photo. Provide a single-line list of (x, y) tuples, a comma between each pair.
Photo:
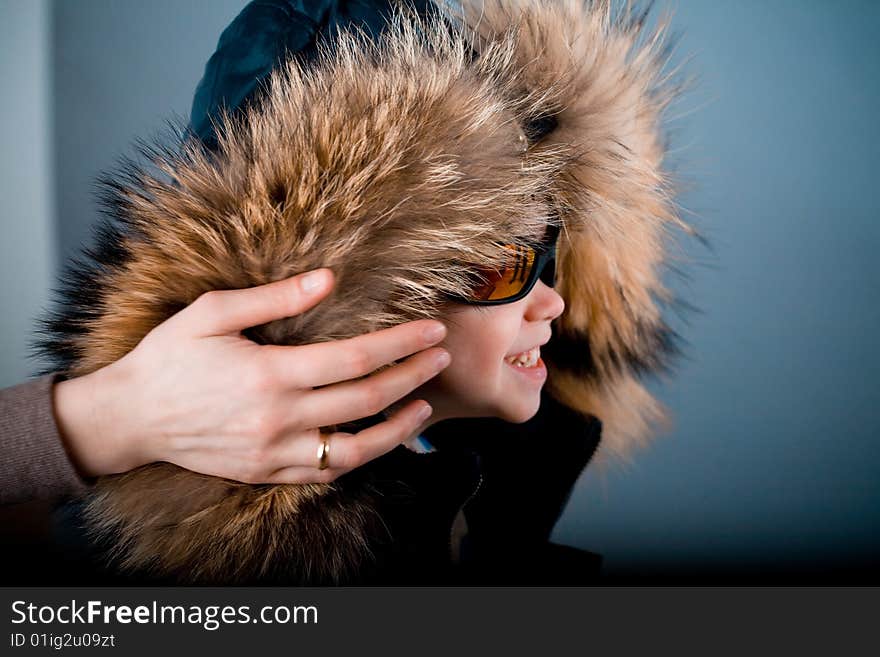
[(526, 359)]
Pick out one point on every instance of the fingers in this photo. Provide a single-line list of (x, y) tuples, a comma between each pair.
[(347, 451), (323, 363), (353, 400), (229, 311), (302, 475)]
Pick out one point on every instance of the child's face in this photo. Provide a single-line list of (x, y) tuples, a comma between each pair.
[(481, 381)]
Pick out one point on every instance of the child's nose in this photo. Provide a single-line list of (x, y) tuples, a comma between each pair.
[(544, 303)]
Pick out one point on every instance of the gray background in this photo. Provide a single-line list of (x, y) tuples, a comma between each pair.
[(773, 458)]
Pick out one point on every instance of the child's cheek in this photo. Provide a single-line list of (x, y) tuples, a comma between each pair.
[(464, 382)]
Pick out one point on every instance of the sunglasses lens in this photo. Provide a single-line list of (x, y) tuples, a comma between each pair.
[(514, 280), (509, 281)]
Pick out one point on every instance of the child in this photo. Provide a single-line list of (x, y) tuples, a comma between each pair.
[(440, 169)]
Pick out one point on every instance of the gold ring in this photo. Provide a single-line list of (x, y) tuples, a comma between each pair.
[(324, 453)]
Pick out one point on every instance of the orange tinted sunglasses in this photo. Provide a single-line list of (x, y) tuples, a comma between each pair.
[(518, 276)]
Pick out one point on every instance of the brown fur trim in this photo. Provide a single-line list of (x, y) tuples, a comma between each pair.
[(392, 162), (161, 520)]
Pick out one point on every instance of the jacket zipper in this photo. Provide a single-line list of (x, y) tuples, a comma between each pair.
[(461, 511)]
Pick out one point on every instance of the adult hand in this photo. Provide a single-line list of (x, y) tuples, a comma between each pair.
[(196, 393)]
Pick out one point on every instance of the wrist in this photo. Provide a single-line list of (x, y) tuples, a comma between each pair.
[(87, 415)]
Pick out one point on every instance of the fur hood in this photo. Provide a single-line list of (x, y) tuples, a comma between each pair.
[(389, 161)]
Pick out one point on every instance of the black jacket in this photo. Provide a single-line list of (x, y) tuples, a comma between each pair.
[(510, 482)]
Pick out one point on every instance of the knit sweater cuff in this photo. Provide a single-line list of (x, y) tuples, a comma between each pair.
[(34, 463)]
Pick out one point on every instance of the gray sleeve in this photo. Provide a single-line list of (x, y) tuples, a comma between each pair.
[(33, 460)]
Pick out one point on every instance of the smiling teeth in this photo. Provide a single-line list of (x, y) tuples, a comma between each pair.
[(525, 359)]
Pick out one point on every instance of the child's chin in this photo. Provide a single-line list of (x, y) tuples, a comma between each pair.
[(522, 414)]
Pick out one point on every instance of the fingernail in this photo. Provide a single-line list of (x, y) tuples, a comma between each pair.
[(442, 360), (312, 281), (424, 413), (434, 333)]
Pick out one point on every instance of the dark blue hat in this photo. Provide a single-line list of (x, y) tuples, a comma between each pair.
[(265, 33)]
